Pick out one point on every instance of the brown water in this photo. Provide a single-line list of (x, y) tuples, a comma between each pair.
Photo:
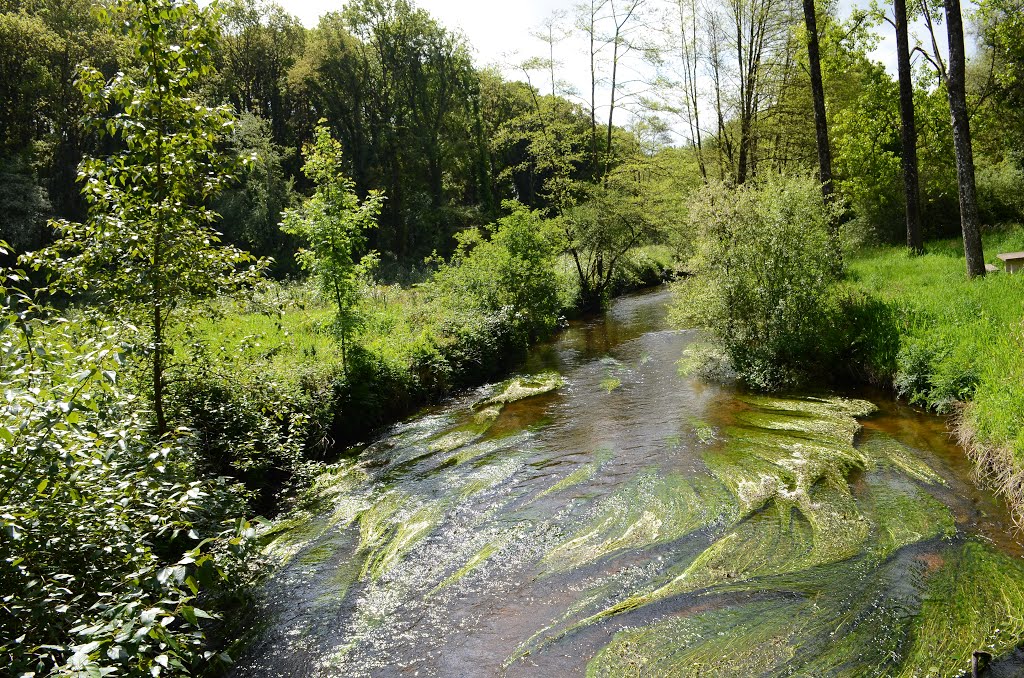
[(637, 522)]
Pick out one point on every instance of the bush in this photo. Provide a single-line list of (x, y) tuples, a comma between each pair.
[(512, 273), (111, 544), (1000, 192), (765, 263)]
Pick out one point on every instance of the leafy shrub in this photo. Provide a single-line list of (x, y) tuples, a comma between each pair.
[(765, 264), (110, 542), (512, 272), (1000, 191)]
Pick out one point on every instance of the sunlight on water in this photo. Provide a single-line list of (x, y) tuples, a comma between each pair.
[(601, 514)]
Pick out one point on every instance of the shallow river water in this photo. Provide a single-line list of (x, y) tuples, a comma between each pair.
[(602, 515)]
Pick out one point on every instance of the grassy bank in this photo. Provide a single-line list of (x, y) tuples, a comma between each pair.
[(960, 347), (270, 397)]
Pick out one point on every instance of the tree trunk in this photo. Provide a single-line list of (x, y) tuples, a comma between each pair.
[(908, 130), (969, 220), (818, 93)]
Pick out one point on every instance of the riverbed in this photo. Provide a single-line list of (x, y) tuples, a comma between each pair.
[(602, 514)]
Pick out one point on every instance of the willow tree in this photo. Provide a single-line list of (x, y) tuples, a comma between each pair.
[(148, 246)]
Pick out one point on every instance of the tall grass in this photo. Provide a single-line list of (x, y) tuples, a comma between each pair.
[(961, 345)]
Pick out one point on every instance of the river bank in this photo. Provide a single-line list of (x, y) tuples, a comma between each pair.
[(271, 399), (956, 348), (637, 520)]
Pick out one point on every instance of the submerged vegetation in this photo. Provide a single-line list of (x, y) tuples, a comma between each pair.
[(249, 245)]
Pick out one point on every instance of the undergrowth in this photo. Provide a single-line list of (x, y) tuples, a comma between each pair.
[(960, 345)]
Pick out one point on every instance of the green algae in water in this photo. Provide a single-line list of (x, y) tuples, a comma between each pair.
[(453, 441), (859, 629), (887, 452), (777, 539), (733, 642), (904, 516), (475, 561), (609, 384), (827, 408), (652, 509), (335, 499), (787, 470), (704, 431), (487, 476), (406, 530), (580, 475), (522, 387), (974, 602)]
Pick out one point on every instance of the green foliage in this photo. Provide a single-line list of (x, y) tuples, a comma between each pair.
[(251, 211), (958, 341), (110, 544), (601, 230), (27, 47), (332, 223), (1001, 33), (23, 204), (765, 265), (513, 271), (147, 246)]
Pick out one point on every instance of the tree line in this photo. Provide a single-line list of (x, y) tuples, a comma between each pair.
[(679, 92)]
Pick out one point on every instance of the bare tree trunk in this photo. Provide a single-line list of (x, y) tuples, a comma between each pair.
[(818, 93), (690, 53), (908, 130), (741, 164), (593, 82), (969, 220), (724, 144)]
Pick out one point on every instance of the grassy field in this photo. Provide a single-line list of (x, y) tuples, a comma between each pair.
[(961, 348)]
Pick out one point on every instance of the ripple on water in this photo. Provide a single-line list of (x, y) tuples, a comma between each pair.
[(655, 526)]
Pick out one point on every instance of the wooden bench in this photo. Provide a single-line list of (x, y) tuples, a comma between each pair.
[(1012, 261)]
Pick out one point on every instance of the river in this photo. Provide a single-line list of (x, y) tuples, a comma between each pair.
[(603, 515)]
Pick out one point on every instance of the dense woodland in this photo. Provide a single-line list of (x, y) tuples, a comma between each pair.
[(237, 244)]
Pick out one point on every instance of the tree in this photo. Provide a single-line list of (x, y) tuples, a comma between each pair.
[(332, 223), (261, 43), (251, 209), (147, 245), (969, 219), (818, 93), (690, 55), (908, 131), (757, 33)]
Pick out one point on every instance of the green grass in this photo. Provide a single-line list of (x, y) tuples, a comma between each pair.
[(264, 383), (961, 341)]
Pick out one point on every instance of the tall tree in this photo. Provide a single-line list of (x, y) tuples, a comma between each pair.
[(690, 55), (147, 245), (969, 219), (818, 93), (908, 129), (260, 44)]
